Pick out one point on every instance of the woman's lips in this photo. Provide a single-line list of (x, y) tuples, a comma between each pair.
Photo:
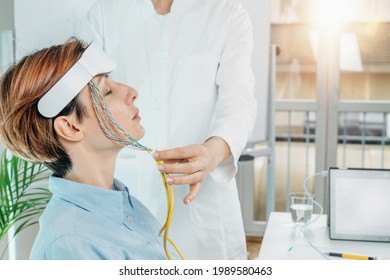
[(137, 116)]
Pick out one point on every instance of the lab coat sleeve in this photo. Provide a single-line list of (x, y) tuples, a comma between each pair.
[(236, 106), (92, 29)]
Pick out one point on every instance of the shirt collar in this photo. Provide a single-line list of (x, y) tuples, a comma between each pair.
[(177, 6), (108, 203)]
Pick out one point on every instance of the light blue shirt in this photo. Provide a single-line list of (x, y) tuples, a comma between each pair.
[(86, 222)]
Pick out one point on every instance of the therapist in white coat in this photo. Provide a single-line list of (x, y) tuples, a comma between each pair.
[(190, 60)]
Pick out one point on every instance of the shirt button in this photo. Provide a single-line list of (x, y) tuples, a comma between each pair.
[(129, 218)]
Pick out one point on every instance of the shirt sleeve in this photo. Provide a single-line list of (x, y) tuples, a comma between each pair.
[(73, 247), (92, 29), (236, 106)]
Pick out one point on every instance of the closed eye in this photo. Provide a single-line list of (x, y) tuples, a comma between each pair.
[(107, 77)]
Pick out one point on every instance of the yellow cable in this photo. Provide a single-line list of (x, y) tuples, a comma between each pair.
[(106, 122), (170, 209)]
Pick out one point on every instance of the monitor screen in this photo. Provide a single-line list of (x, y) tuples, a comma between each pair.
[(359, 204)]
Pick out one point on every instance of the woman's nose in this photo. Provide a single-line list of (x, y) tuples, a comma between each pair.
[(131, 95)]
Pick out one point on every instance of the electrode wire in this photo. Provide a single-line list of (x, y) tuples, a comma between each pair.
[(108, 125), (305, 187)]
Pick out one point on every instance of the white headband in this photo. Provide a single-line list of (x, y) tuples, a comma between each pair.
[(93, 62)]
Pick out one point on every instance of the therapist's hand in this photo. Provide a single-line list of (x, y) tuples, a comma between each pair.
[(192, 163)]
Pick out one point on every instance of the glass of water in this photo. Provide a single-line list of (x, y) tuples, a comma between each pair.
[(301, 207)]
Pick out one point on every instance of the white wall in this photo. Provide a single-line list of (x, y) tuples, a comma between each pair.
[(6, 15), (41, 23), (6, 27)]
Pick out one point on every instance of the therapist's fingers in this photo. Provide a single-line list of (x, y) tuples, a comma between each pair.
[(175, 161), (186, 179), (186, 167), (194, 189), (180, 153), (191, 164)]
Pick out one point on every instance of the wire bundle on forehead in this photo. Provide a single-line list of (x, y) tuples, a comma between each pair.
[(117, 134)]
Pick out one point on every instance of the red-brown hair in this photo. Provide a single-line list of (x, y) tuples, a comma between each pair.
[(23, 129)]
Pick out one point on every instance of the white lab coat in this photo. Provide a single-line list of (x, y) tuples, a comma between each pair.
[(192, 70)]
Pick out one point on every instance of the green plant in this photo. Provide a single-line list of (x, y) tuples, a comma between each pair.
[(21, 202)]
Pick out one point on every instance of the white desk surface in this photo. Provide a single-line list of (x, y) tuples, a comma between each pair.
[(284, 240)]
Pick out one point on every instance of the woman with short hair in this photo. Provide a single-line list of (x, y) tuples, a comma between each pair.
[(47, 114)]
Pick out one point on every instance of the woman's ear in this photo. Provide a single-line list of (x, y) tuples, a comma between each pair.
[(68, 128)]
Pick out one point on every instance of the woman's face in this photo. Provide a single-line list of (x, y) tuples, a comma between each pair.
[(120, 99)]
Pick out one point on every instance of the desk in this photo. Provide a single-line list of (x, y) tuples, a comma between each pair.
[(284, 240)]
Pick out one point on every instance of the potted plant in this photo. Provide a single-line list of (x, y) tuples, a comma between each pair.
[(22, 200)]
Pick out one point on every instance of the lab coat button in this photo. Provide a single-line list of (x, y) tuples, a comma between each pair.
[(129, 218)]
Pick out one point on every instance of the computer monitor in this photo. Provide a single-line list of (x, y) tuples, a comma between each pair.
[(359, 204)]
